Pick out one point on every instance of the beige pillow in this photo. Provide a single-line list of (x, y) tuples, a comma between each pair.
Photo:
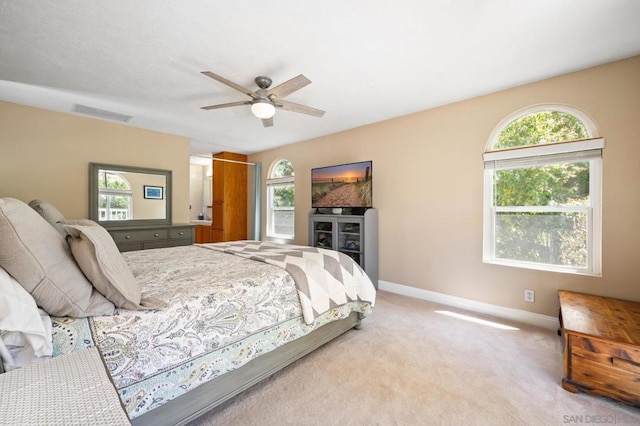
[(40, 260), (99, 258), (50, 213)]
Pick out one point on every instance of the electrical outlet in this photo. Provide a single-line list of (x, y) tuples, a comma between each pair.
[(529, 296)]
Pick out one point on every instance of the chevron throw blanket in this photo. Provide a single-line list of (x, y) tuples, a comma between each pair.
[(324, 278)]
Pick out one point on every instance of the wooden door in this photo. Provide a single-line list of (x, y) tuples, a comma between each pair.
[(229, 206)]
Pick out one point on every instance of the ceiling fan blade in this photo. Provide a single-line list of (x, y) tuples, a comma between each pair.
[(288, 87), (267, 122), (230, 84), (230, 104), (303, 109)]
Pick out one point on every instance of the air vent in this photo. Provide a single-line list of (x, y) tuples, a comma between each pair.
[(101, 113)]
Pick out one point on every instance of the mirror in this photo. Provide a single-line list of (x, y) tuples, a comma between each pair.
[(206, 193), (129, 196)]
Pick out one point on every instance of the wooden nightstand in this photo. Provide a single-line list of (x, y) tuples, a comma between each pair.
[(601, 346)]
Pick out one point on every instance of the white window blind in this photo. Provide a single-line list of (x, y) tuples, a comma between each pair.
[(586, 150)]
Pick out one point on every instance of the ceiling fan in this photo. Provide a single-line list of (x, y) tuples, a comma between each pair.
[(264, 101)]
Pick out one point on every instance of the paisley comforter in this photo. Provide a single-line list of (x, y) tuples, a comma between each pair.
[(223, 312), (324, 278)]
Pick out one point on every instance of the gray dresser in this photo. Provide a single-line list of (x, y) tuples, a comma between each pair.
[(131, 238)]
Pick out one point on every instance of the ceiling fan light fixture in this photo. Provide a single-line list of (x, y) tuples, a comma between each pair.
[(263, 109)]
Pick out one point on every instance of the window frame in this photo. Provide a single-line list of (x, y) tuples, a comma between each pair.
[(115, 193), (271, 184), (540, 155), (109, 192)]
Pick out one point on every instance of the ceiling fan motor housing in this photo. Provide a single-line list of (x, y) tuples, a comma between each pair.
[(263, 82)]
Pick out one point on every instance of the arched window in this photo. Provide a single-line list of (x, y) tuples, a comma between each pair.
[(114, 197), (281, 200), (542, 192)]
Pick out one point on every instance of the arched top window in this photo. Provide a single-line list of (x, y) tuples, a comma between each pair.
[(111, 180), (541, 125), (281, 168), (542, 191), (281, 200)]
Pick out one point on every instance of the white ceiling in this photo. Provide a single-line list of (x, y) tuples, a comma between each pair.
[(369, 60)]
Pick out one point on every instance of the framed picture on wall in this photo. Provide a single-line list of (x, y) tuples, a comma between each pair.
[(153, 192)]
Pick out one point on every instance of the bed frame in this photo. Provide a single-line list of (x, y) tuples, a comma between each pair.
[(209, 395)]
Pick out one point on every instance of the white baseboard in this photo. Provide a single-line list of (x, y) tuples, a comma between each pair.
[(519, 315)]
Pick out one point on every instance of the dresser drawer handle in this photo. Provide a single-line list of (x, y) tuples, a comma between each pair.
[(156, 235), (128, 236), (180, 233)]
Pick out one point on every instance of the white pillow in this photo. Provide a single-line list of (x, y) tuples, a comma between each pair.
[(25, 330)]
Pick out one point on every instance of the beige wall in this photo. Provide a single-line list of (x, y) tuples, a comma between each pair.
[(427, 186), (46, 155)]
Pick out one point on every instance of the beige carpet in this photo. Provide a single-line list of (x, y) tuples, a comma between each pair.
[(409, 365)]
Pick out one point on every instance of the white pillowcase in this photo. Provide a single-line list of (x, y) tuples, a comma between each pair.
[(25, 330)]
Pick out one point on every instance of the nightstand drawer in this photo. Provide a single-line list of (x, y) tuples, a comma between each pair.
[(605, 350), (618, 377)]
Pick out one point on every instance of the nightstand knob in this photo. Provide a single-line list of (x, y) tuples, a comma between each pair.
[(180, 233), (128, 236), (156, 235)]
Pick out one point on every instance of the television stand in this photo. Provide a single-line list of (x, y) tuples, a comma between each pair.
[(355, 235)]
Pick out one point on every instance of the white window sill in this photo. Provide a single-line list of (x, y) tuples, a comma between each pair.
[(543, 267)]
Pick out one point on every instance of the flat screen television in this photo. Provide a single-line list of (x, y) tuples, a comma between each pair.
[(342, 186)]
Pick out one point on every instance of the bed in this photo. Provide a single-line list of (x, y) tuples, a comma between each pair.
[(206, 322)]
